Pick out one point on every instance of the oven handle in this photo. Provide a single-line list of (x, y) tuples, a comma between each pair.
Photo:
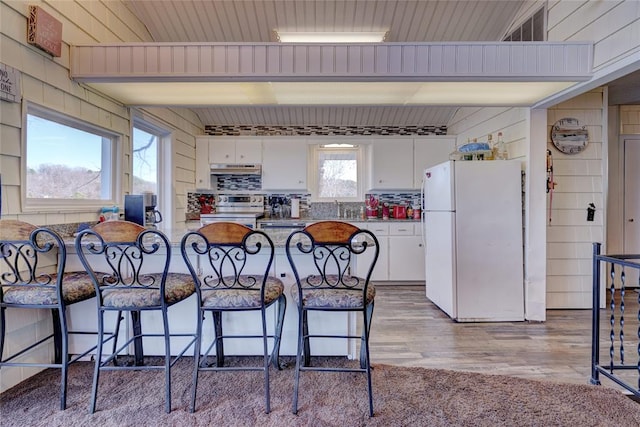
[(205, 221), (290, 225)]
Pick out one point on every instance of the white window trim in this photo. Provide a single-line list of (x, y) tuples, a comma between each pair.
[(165, 166), (69, 205), (314, 176)]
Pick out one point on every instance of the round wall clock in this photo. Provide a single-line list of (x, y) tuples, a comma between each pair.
[(569, 136)]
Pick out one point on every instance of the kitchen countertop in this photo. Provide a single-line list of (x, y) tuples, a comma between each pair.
[(279, 236), (194, 218), (310, 220)]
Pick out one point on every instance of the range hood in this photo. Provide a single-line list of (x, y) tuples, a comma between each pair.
[(235, 169)]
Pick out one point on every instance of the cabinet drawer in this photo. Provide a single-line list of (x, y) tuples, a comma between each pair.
[(417, 229), (379, 229), (401, 229)]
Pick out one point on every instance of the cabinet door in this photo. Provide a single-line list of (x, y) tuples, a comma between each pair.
[(222, 150), (284, 164), (430, 151), (381, 269), (392, 164), (249, 150), (406, 258), (203, 175)]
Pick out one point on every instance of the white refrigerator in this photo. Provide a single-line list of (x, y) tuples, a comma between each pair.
[(473, 239)]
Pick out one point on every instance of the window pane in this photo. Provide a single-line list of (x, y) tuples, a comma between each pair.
[(527, 30), (337, 174), (538, 25), (145, 162), (65, 162), (516, 36)]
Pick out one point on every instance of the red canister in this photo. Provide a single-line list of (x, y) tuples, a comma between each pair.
[(385, 211), (400, 211)]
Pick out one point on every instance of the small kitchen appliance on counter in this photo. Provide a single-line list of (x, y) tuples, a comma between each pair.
[(295, 208), (141, 209)]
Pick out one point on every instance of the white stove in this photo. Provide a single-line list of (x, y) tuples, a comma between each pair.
[(238, 208)]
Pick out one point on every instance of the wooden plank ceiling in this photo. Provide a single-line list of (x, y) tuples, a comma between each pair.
[(254, 21)]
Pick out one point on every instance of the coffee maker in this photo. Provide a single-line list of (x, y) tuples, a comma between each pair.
[(141, 209)]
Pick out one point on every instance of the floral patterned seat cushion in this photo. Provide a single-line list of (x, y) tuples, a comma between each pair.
[(339, 296), (76, 287), (237, 297), (177, 288)]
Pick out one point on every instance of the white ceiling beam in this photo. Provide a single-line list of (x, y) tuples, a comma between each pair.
[(211, 62)]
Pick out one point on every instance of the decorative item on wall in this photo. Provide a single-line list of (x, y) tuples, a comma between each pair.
[(44, 31), (569, 136), (10, 83), (551, 184)]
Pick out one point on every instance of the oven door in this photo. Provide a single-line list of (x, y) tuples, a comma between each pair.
[(249, 221)]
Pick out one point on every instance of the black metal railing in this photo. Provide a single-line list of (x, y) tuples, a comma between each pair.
[(621, 273)]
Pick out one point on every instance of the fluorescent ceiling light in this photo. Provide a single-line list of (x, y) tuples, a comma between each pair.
[(338, 145), (331, 37), (203, 94)]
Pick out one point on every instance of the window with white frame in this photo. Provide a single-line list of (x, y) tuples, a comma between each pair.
[(69, 163), (337, 171), (145, 159), (151, 160)]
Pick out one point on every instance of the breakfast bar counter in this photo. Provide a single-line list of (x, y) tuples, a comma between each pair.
[(183, 316)]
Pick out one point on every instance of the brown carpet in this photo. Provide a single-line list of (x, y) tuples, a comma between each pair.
[(402, 397)]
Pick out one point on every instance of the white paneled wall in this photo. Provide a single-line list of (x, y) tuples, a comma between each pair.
[(579, 181), (45, 81), (614, 26), (630, 120)]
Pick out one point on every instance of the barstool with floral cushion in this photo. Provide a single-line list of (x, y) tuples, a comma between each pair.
[(337, 251), (230, 264), (33, 276), (135, 278)]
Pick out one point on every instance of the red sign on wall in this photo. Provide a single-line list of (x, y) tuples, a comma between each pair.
[(44, 31)]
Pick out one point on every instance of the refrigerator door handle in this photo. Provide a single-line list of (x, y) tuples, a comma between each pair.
[(424, 241)]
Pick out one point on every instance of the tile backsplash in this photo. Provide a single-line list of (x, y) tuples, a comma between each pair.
[(322, 130), (318, 210), (238, 183)]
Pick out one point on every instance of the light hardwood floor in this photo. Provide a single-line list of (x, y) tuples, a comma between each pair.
[(409, 330)]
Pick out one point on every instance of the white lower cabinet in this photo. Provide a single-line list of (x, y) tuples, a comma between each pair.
[(381, 269), (401, 255), (406, 258)]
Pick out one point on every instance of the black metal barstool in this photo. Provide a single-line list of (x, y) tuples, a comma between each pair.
[(136, 279), (33, 276), (230, 264), (335, 249)]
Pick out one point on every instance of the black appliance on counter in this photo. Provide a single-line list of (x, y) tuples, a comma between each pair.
[(141, 209)]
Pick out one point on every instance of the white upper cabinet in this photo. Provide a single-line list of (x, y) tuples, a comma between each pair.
[(430, 151), (391, 164), (203, 171), (235, 150), (284, 164)]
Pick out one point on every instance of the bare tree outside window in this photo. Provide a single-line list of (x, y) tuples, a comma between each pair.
[(66, 162), (145, 161), (337, 173)]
